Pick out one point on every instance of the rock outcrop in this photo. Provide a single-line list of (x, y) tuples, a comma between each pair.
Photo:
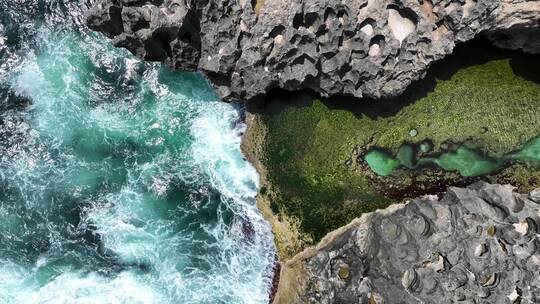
[(359, 48), (517, 26), (474, 245)]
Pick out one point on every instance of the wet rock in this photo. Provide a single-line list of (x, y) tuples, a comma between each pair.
[(359, 48), (464, 254)]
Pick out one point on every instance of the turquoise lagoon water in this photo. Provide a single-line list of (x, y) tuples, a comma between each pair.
[(120, 181)]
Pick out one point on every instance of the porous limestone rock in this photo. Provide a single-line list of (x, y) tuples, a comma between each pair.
[(334, 47), (516, 26), (474, 245)]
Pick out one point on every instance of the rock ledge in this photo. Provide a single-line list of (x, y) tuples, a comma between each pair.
[(474, 245)]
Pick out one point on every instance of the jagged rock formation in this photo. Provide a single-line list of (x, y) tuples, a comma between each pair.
[(474, 245), (360, 48)]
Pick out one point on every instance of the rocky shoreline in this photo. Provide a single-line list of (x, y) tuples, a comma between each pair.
[(288, 238), (251, 148), (491, 213), (312, 150), (358, 48), (375, 49)]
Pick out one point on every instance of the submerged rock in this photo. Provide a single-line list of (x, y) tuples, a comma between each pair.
[(459, 251), (359, 48)]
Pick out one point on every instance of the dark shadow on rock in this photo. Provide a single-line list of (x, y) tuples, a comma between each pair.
[(527, 66), (475, 52), (278, 100)]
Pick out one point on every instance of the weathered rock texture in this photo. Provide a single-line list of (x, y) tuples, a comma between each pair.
[(474, 245), (334, 47), (517, 26)]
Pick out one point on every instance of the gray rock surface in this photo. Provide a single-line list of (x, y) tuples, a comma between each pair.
[(474, 245), (334, 47)]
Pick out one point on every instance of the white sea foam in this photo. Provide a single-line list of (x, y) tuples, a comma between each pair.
[(76, 288), (217, 135), (173, 203)]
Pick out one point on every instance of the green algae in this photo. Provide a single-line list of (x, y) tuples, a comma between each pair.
[(485, 98)]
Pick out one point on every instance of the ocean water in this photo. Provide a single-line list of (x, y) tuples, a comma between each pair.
[(120, 181)]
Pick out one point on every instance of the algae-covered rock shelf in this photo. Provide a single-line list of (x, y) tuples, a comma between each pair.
[(474, 117)]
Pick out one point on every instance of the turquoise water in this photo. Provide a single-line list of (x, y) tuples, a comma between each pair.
[(464, 160), (120, 181)]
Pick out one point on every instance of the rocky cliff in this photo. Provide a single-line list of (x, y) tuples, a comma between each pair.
[(474, 245), (359, 48)]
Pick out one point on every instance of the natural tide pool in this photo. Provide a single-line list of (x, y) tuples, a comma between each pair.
[(120, 181), (466, 161)]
